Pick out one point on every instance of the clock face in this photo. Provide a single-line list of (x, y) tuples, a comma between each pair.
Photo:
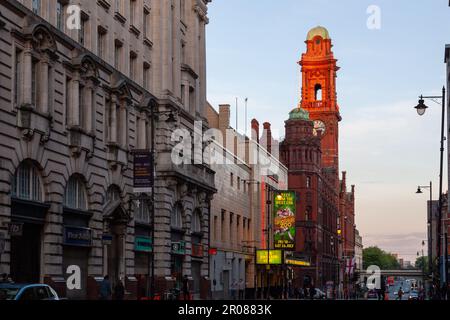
[(319, 126)]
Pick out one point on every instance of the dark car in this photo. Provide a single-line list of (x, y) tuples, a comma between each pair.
[(12, 291)]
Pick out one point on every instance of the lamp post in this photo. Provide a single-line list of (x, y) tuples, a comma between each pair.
[(421, 109), (429, 226)]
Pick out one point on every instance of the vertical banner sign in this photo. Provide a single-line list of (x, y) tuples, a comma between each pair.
[(142, 171), (284, 220)]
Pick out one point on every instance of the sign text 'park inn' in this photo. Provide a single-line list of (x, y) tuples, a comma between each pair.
[(284, 220)]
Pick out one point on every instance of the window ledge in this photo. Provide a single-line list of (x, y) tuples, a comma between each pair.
[(135, 30), (118, 16), (148, 42), (105, 4)]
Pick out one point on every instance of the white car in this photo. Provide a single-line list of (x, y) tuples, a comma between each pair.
[(320, 295)]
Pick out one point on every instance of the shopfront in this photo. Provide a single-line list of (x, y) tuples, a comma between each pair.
[(77, 234), (28, 215)]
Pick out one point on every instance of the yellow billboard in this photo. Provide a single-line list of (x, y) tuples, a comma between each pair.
[(275, 257)]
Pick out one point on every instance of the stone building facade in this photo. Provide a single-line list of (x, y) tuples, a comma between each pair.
[(325, 217), (239, 212), (75, 103), (231, 216), (317, 213)]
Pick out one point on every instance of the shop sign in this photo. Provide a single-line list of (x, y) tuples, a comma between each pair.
[(212, 251), (284, 219), (197, 250), (142, 171), (179, 247), (143, 244), (275, 257), (297, 262), (107, 239), (15, 229), (76, 236)]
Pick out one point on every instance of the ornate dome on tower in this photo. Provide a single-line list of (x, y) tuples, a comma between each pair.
[(318, 31), (299, 114)]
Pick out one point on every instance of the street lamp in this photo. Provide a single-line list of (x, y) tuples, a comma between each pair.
[(442, 249), (421, 107), (429, 225)]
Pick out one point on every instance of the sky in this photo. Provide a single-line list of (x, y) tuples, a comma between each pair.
[(387, 150)]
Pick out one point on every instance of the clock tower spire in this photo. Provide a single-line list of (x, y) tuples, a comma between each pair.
[(319, 98)]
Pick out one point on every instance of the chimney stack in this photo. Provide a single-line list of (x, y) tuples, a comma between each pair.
[(344, 181), (224, 117), (268, 136), (255, 130)]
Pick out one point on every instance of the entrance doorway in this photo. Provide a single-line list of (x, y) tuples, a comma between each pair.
[(26, 254)]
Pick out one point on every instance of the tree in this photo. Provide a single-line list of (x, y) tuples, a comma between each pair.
[(422, 264), (376, 256)]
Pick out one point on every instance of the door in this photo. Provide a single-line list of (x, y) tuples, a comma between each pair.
[(77, 256), (26, 254), (226, 285)]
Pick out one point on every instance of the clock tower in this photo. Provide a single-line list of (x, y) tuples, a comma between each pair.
[(319, 71)]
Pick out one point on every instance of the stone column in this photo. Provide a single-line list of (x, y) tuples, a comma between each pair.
[(74, 108), (123, 124), (88, 108), (27, 66), (142, 137), (113, 126), (42, 86)]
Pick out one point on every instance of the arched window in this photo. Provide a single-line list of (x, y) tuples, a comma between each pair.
[(27, 184), (176, 219), (196, 222), (75, 194), (318, 92), (142, 213)]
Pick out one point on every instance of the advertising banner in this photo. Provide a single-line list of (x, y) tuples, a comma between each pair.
[(284, 220), (142, 171), (275, 257)]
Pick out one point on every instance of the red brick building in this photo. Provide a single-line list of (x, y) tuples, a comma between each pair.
[(325, 210)]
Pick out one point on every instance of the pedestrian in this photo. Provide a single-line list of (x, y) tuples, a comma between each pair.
[(105, 289), (312, 292), (400, 294), (186, 288), (234, 286), (119, 290), (241, 289), (444, 291)]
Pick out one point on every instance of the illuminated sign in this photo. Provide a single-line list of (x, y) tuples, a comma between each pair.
[(284, 219), (275, 257), (297, 263)]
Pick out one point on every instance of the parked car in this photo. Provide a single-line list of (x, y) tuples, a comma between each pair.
[(13, 291)]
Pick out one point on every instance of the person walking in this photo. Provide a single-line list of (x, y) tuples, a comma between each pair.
[(241, 289), (186, 288), (234, 286), (400, 294), (119, 290), (105, 289)]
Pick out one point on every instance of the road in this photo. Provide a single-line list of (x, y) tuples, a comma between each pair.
[(406, 287)]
